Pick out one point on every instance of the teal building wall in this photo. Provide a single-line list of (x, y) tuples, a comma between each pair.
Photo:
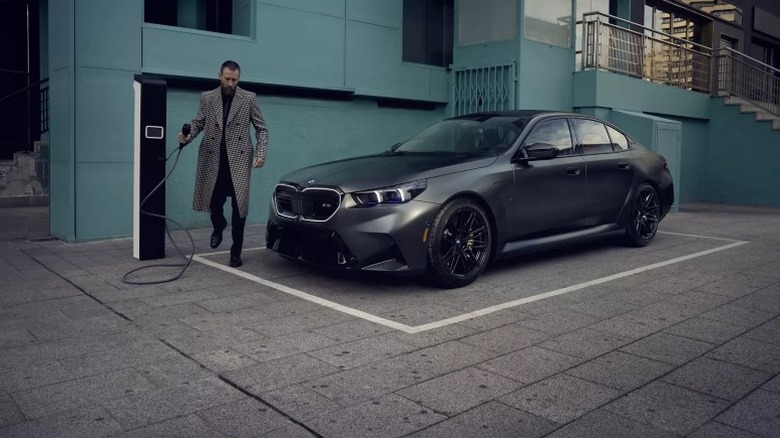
[(351, 49)]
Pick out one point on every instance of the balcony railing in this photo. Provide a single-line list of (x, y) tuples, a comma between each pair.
[(614, 44), (747, 78)]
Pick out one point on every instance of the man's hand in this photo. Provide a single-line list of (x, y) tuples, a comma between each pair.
[(181, 138), (258, 162)]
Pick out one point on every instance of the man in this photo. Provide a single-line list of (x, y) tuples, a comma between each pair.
[(226, 155)]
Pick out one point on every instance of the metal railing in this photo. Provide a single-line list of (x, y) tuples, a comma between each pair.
[(644, 53), (34, 99), (747, 78), (484, 88)]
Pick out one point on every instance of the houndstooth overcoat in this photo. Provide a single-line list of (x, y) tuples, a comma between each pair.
[(243, 111)]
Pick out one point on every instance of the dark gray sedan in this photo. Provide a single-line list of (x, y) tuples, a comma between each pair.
[(471, 189)]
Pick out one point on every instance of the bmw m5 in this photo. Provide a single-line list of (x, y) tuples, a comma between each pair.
[(471, 189)]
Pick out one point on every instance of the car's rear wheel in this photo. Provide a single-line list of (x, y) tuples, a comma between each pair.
[(460, 243), (645, 216)]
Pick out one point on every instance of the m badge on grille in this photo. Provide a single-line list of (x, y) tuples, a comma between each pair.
[(311, 181)]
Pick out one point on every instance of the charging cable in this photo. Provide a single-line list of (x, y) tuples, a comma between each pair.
[(186, 131)]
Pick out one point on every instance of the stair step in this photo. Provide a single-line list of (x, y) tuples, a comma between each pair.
[(747, 108), (776, 124), (731, 100), (763, 115)]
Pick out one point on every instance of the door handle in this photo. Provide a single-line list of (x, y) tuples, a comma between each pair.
[(623, 165), (573, 170)]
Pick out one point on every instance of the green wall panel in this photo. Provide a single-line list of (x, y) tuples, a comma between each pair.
[(333, 8), (104, 120), (743, 158), (382, 12), (612, 90), (544, 77), (102, 40), (61, 201), (104, 201)]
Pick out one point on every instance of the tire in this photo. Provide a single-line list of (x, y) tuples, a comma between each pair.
[(645, 216), (460, 243)]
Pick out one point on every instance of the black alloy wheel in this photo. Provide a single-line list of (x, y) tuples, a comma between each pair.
[(645, 216), (460, 243)]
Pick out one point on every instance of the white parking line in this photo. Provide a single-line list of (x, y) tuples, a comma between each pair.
[(469, 315)]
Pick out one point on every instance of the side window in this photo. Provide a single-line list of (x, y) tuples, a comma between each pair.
[(555, 132), (592, 137), (618, 139)]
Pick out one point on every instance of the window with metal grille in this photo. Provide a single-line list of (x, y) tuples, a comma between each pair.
[(489, 88)]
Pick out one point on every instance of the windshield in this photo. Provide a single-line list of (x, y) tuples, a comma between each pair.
[(493, 135)]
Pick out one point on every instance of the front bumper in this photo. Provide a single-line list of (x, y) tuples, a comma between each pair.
[(384, 238)]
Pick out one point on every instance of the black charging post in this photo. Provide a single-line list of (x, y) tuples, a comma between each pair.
[(149, 167)]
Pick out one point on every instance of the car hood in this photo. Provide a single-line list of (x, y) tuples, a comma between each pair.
[(387, 169)]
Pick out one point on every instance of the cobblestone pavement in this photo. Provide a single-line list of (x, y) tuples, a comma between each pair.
[(681, 338)]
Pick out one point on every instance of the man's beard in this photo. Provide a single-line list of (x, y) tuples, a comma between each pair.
[(228, 91)]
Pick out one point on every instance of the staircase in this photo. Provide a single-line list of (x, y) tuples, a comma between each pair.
[(761, 115)]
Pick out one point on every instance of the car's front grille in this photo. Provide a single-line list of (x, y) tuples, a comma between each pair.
[(312, 204)]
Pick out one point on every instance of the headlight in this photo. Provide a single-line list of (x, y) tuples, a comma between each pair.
[(390, 195)]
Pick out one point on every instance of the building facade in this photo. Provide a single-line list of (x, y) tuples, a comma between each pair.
[(337, 78)]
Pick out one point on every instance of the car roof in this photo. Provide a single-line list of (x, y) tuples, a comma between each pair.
[(520, 114)]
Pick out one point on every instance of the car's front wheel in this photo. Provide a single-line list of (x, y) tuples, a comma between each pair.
[(645, 215), (459, 244)]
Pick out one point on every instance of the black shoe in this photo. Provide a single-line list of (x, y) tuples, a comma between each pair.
[(216, 239), (235, 261)]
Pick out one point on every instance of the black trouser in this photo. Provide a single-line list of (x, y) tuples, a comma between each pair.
[(222, 190)]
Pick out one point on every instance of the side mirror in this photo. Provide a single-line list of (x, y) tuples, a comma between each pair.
[(538, 151)]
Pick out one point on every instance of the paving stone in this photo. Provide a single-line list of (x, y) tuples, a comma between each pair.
[(85, 421), (506, 339), (717, 378), (603, 308), (557, 321), (620, 370), (200, 341), (60, 397), (630, 326), (668, 407), (767, 332), (286, 345), (188, 426), (9, 413), (585, 343), (371, 381), (171, 299), (604, 424), (713, 429), (172, 370), (459, 391), (299, 323), (530, 364), (244, 418), (278, 373), (386, 417), (132, 354), (734, 314), (150, 407), (28, 377), (353, 330), (223, 360), (665, 312), (749, 353), (15, 338), (767, 300), (671, 349), (248, 300), (756, 413), (433, 337), (561, 398), (301, 402), (361, 352), (490, 420), (707, 330), (773, 385)]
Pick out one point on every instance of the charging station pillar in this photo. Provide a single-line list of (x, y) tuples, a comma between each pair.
[(149, 167)]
